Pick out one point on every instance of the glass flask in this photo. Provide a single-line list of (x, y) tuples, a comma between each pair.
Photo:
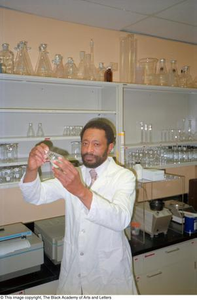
[(40, 131), (58, 69), (30, 131), (11, 152), (148, 66), (173, 77), (53, 156), (43, 66), (185, 77), (162, 73), (7, 59), (91, 71), (101, 72), (128, 52), (22, 64), (81, 72), (70, 69)]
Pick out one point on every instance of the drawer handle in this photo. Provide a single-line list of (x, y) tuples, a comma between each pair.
[(174, 250), (156, 274)]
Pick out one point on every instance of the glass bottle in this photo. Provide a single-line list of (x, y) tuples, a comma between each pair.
[(173, 77), (7, 59), (30, 131), (108, 75), (58, 69), (101, 72), (70, 69), (81, 72), (43, 66), (40, 131), (162, 73), (185, 77), (22, 64)]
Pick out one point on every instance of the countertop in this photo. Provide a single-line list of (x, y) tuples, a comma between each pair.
[(139, 245)]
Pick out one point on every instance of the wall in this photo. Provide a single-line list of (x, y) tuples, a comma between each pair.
[(69, 38)]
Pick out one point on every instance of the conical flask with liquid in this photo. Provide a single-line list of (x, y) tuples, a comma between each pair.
[(43, 66), (22, 64), (7, 59)]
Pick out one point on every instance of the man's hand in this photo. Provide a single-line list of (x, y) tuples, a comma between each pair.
[(69, 176), (37, 157)]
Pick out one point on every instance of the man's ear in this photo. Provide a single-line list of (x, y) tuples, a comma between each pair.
[(110, 147)]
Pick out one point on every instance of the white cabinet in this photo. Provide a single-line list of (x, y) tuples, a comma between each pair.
[(49, 288), (168, 271)]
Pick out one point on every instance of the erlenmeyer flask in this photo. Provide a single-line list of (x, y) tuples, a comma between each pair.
[(7, 59), (90, 69), (101, 72), (173, 77), (82, 66), (22, 64), (40, 131), (43, 67), (30, 131), (58, 69), (70, 69)]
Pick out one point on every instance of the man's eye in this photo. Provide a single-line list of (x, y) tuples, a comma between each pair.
[(96, 144)]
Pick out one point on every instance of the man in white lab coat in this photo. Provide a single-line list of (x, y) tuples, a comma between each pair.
[(97, 256)]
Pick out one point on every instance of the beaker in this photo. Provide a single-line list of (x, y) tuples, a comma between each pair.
[(148, 66)]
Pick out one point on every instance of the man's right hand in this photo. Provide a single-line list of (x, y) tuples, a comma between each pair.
[(37, 157)]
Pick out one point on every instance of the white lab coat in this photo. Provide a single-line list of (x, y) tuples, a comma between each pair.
[(97, 256)]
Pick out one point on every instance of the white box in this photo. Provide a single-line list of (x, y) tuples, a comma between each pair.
[(153, 174)]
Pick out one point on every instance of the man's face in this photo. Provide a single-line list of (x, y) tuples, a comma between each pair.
[(94, 148)]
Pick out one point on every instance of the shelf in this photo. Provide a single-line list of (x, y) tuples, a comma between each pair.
[(55, 111), (18, 162), (160, 144), (56, 81), (15, 139), (156, 88)]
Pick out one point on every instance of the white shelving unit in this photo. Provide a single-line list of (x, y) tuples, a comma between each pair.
[(59, 102)]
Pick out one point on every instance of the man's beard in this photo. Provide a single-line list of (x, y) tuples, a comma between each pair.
[(98, 160)]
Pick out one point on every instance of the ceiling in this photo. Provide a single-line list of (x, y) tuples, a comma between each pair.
[(168, 19)]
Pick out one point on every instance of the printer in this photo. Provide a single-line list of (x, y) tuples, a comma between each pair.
[(51, 231), (21, 251)]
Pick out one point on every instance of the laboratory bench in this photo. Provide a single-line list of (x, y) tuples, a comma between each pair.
[(50, 272)]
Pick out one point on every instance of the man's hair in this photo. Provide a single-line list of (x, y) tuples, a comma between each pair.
[(102, 124)]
